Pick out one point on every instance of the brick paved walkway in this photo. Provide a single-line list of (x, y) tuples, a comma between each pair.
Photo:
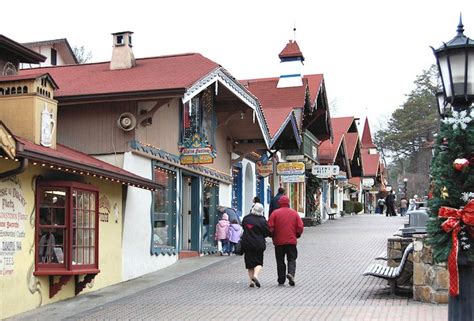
[(329, 284)]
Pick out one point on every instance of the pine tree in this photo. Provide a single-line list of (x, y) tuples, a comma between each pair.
[(451, 187)]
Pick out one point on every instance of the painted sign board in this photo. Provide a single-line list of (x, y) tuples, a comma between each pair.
[(294, 157), (196, 151), (367, 183), (293, 178), (264, 169), (325, 171), (290, 168)]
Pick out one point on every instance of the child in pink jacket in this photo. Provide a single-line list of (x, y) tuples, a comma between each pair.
[(222, 229)]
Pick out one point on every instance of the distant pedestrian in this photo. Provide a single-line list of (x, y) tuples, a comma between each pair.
[(233, 235), (255, 200), (286, 227), (274, 202), (390, 202), (381, 205), (412, 205), (253, 243), (222, 229), (403, 206)]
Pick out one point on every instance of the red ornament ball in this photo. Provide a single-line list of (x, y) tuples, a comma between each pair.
[(460, 164)]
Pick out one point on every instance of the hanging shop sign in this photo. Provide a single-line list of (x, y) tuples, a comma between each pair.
[(325, 171), (293, 178), (196, 150), (367, 183), (294, 157), (264, 169), (290, 168)]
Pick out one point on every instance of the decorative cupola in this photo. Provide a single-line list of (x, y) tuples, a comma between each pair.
[(28, 107), (291, 66), (122, 54)]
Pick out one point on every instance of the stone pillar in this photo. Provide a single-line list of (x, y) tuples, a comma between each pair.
[(395, 248), (430, 280)]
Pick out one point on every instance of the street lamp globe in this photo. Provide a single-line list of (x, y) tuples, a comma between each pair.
[(455, 60), (444, 107)]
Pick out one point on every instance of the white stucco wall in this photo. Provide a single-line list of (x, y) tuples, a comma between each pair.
[(136, 257), (225, 195), (248, 179)]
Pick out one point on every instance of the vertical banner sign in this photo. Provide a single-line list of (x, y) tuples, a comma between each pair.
[(12, 223)]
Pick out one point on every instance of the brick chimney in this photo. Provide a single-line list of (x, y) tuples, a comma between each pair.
[(122, 54)]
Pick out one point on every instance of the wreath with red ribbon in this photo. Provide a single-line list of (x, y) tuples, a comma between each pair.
[(453, 224)]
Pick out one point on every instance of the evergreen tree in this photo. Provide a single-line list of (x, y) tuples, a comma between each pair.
[(451, 187)]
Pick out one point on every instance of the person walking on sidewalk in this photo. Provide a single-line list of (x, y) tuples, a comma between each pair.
[(233, 235), (286, 227), (390, 202), (222, 229), (253, 242), (274, 202)]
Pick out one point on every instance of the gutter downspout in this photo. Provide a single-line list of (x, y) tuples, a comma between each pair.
[(20, 169)]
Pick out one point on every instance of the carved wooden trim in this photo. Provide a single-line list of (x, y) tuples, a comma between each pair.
[(56, 287), (80, 285)]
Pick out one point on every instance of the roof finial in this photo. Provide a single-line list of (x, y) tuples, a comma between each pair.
[(294, 31), (460, 29)]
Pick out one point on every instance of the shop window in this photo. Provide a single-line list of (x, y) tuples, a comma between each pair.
[(199, 118), (164, 212), (67, 228), (297, 196), (210, 201), (54, 57)]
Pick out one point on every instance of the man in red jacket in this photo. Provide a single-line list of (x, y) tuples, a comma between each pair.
[(286, 227)]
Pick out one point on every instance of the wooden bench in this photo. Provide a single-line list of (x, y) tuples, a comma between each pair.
[(329, 213), (391, 274)]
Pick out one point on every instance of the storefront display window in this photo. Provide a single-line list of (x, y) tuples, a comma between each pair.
[(66, 228), (297, 196), (164, 212)]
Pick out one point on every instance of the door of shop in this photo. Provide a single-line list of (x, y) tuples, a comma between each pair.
[(190, 213)]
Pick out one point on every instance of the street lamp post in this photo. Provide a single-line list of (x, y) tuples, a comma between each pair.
[(455, 95), (405, 187)]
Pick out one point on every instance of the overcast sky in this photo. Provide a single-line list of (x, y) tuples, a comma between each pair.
[(369, 51)]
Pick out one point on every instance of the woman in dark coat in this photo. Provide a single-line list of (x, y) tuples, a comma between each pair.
[(253, 242)]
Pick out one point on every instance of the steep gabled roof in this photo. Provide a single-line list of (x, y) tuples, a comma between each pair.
[(61, 42), (277, 103), (19, 51), (367, 136), (370, 163), (149, 74), (328, 150), (351, 143), (291, 50)]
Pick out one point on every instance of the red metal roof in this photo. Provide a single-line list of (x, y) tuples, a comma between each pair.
[(155, 73), (277, 103), (351, 140), (291, 50), (75, 160), (328, 150), (367, 136), (370, 163), (340, 126), (355, 181)]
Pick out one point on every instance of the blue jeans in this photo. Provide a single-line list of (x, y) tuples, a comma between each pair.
[(225, 246)]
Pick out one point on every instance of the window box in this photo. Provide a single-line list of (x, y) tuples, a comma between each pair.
[(67, 231)]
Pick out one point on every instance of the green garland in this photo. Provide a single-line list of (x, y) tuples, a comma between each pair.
[(312, 210), (448, 186)]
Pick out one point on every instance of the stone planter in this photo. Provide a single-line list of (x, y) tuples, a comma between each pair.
[(430, 280)]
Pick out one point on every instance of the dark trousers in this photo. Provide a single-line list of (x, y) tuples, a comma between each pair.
[(291, 254)]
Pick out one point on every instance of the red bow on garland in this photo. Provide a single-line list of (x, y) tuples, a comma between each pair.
[(453, 224)]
